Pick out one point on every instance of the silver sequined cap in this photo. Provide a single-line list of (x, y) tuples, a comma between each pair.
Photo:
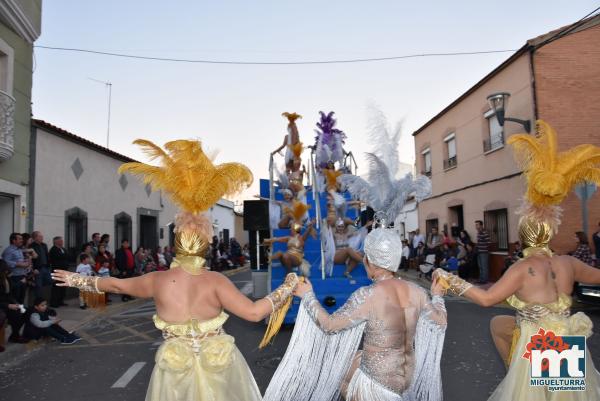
[(383, 248)]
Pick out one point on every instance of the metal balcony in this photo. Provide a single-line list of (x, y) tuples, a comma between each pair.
[(450, 163), (493, 143), (426, 173), (7, 126)]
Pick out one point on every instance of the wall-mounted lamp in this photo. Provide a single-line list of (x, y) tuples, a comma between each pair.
[(498, 102)]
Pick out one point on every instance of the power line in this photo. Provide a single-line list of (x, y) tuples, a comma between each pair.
[(569, 28), (233, 62)]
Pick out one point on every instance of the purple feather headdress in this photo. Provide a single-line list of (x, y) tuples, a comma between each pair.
[(329, 140)]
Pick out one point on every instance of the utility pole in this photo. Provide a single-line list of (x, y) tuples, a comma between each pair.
[(109, 86)]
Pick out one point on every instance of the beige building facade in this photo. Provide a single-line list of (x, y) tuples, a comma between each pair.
[(20, 26), (474, 175)]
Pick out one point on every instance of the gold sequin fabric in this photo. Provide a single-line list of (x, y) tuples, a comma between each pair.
[(192, 329), (284, 291), (84, 283), (534, 312)]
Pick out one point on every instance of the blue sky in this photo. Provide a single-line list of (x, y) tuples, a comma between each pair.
[(237, 109)]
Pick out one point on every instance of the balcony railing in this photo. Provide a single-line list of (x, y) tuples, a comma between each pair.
[(493, 143), (450, 163), (7, 126), (426, 173)]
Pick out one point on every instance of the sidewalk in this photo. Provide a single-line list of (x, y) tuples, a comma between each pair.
[(73, 318)]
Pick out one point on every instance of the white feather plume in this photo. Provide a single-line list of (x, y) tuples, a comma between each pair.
[(282, 178), (381, 189)]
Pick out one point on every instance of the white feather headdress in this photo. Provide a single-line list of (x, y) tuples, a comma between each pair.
[(381, 188)]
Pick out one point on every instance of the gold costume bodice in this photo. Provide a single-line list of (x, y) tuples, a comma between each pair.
[(193, 331), (295, 247), (533, 312)]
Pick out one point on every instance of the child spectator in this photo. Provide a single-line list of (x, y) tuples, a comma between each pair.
[(405, 255), (84, 269), (44, 323)]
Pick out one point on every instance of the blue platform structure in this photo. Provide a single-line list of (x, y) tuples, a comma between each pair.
[(337, 286)]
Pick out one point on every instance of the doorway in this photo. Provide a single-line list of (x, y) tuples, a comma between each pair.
[(7, 220), (122, 229), (75, 232), (148, 232), (457, 220)]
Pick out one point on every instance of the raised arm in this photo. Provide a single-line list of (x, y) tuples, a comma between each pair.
[(140, 287), (307, 232), (281, 147), (351, 314), (434, 308), (276, 239), (237, 303), (508, 284), (583, 272)]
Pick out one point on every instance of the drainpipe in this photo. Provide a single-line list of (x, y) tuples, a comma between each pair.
[(31, 186), (533, 86)]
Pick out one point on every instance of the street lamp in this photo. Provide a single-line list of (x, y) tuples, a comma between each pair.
[(498, 102)]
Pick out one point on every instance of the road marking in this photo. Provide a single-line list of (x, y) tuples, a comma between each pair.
[(248, 288), (128, 375)]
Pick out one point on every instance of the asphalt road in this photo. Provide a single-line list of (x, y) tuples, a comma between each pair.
[(115, 360)]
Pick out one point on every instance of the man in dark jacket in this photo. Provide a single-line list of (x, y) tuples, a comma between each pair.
[(125, 263), (58, 259), (41, 265)]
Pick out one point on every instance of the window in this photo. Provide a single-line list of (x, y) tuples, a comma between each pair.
[(495, 133), (426, 162), (496, 224), (6, 67), (75, 231), (450, 161)]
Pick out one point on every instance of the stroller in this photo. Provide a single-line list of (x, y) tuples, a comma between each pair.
[(427, 266)]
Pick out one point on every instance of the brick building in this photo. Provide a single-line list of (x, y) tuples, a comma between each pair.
[(554, 77)]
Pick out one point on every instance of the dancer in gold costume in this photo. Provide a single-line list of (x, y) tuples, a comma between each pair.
[(294, 255), (198, 360), (539, 286)]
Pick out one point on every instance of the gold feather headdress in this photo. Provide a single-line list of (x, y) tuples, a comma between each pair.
[(194, 183), (292, 117), (331, 177), (550, 176), (297, 211)]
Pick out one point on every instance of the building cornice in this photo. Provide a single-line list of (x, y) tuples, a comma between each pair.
[(18, 21), (506, 177), (57, 131)]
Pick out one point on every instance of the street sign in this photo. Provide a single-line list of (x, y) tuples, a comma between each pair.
[(585, 191)]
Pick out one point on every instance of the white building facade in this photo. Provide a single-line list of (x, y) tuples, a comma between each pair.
[(408, 219), (77, 191)]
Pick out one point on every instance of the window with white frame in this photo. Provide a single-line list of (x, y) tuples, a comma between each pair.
[(495, 138), (6, 67), (426, 154), (450, 142)]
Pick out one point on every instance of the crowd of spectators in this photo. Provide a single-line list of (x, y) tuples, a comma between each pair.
[(470, 259), (29, 297)]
